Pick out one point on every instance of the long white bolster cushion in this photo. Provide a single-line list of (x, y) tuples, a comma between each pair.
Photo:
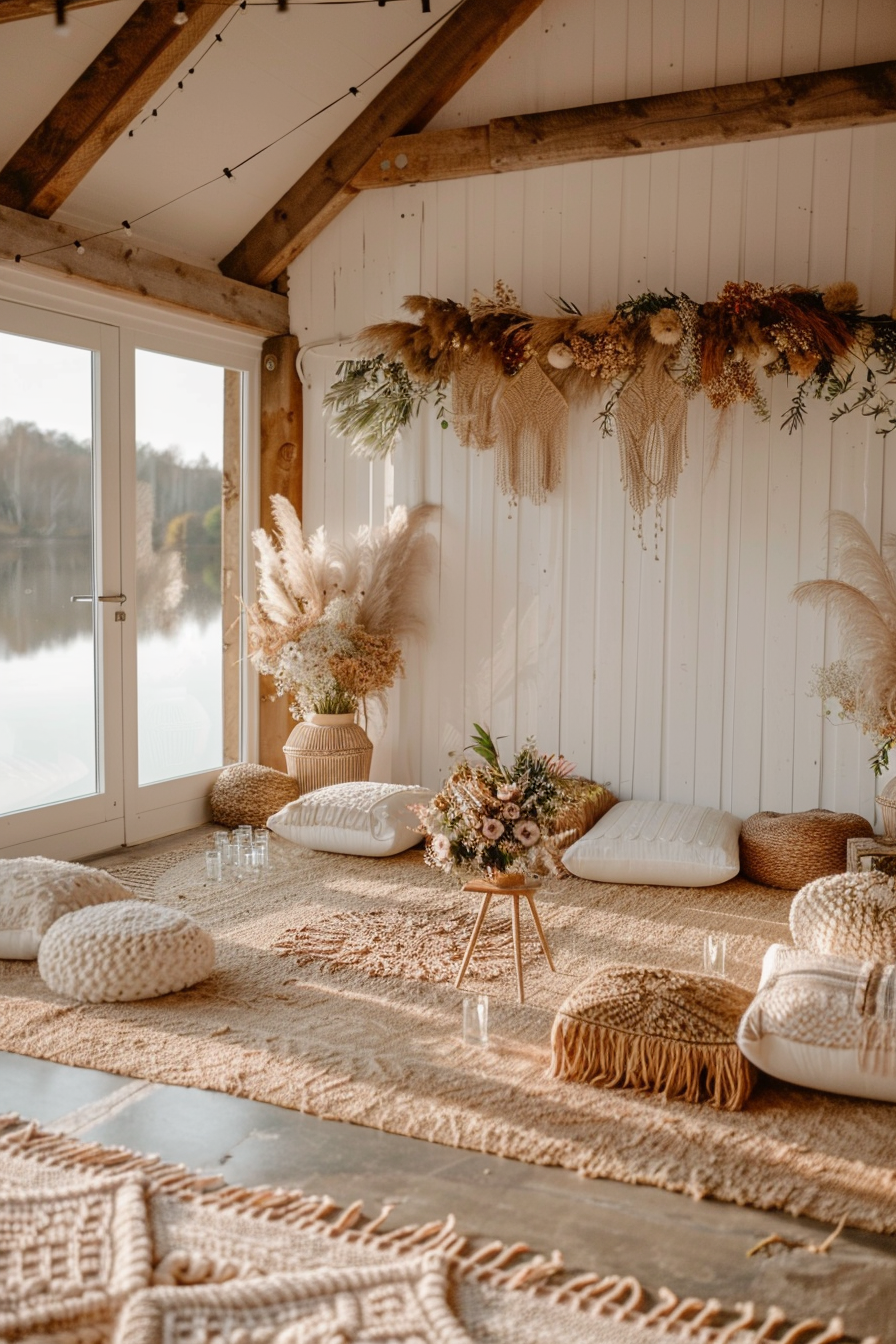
[(659, 844), (364, 818)]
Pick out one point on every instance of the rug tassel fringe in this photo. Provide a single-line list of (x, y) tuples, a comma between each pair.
[(622, 1298), (589, 1053)]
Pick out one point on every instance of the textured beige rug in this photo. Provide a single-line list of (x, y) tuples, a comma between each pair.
[(100, 1245), (318, 1004)]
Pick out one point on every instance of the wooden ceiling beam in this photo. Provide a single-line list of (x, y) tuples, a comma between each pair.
[(10, 10), (113, 89), (116, 264), (459, 48), (760, 110)]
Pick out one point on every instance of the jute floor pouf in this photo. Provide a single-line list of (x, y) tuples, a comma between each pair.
[(656, 1030), (246, 794), (848, 915), (124, 951), (789, 849)]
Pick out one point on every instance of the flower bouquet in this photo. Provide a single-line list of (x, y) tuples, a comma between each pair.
[(492, 817), (330, 619)]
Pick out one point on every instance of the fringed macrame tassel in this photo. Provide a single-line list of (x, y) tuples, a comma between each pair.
[(587, 1052), (651, 420), (533, 420), (475, 388)]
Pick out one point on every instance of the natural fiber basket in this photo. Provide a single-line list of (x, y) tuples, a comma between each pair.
[(586, 802), (321, 754), (789, 849), (246, 794)]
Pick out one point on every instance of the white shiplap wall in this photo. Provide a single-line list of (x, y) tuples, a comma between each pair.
[(682, 675)]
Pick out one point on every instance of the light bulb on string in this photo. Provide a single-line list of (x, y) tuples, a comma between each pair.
[(61, 24), (181, 17), (127, 228), (79, 248)]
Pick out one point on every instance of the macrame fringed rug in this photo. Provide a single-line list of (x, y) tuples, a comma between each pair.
[(651, 422), (218, 1264), (474, 400)]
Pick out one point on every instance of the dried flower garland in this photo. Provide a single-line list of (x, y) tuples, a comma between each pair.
[(667, 343)]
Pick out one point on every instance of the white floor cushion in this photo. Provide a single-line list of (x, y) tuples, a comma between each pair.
[(365, 818), (824, 1022), (124, 951), (35, 892), (658, 844)]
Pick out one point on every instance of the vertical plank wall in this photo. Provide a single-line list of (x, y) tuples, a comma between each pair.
[(679, 674)]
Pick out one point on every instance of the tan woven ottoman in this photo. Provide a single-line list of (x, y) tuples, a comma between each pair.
[(789, 849), (246, 794)]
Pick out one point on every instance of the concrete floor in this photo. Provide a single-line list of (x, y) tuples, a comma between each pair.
[(694, 1248)]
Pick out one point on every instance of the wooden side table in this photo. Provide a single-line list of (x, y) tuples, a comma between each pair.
[(488, 889)]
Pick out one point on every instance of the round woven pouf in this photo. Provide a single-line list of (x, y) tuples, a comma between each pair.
[(789, 849), (849, 915), (124, 951), (246, 795)]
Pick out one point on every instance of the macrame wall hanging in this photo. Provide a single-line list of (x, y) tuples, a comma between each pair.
[(512, 376)]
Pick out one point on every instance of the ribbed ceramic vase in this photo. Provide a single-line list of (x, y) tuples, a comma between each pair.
[(327, 749)]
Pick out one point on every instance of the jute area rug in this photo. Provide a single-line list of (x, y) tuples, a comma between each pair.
[(333, 995), (102, 1246)]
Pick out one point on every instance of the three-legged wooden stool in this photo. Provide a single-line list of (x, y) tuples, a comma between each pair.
[(526, 888)]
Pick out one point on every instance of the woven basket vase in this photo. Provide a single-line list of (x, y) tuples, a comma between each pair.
[(790, 849), (886, 802), (327, 749)]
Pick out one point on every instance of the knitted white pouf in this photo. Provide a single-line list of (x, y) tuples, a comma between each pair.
[(123, 951), (34, 893), (847, 915)]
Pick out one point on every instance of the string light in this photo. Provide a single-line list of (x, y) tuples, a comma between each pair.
[(126, 225), (61, 24), (219, 37), (181, 17)]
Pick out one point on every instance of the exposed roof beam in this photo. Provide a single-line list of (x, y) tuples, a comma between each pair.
[(760, 110), (462, 44), (99, 106), (33, 9), (135, 271)]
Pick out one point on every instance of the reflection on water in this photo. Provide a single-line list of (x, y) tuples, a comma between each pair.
[(47, 691)]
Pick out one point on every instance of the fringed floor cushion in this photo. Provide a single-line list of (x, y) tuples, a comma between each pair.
[(789, 849), (849, 915), (656, 1030)]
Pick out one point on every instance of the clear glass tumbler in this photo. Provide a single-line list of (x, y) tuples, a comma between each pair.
[(222, 845), (262, 850), (213, 864), (715, 945), (476, 1020), (250, 863)]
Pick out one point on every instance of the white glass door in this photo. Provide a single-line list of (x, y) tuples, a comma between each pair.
[(181, 510), (62, 608)]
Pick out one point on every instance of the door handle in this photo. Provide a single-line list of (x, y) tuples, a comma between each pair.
[(89, 597)]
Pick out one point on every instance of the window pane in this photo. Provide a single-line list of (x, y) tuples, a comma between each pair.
[(187, 426), (48, 716)]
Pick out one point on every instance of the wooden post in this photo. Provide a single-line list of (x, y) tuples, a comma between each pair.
[(231, 493), (281, 474)]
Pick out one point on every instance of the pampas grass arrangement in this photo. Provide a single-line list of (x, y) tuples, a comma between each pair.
[(330, 618), (863, 599)]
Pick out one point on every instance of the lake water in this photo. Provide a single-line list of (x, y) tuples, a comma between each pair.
[(48, 695)]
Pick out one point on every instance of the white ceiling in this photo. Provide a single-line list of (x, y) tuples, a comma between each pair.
[(271, 71)]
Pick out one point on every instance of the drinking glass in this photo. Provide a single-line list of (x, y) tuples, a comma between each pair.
[(476, 1020), (261, 847), (222, 845), (714, 948), (250, 863), (213, 864)]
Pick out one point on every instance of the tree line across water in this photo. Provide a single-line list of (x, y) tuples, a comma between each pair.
[(46, 488)]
